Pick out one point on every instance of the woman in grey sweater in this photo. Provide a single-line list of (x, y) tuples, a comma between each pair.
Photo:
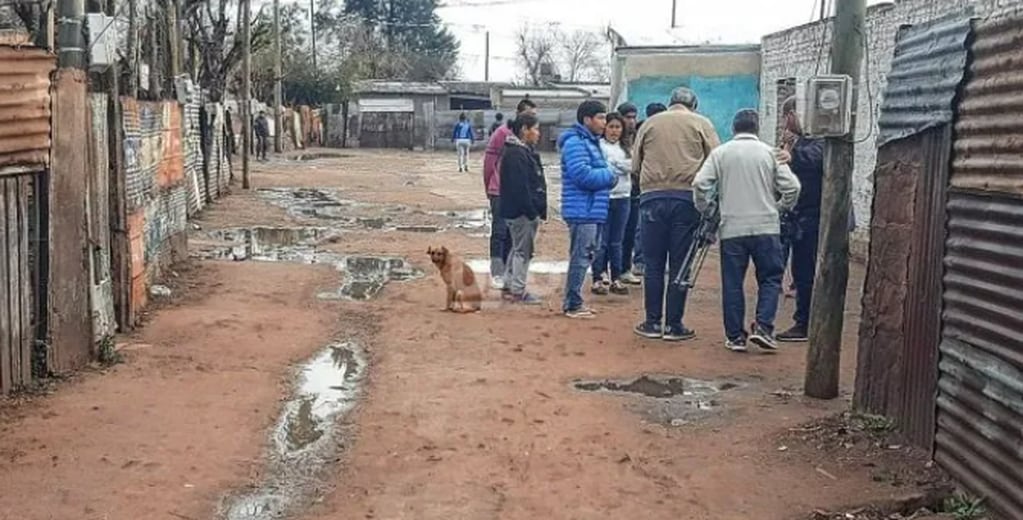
[(609, 255)]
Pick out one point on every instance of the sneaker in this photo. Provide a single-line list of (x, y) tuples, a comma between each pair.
[(525, 299), (631, 279), (762, 339), (638, 270), (580, 314), (678, 333), (600, 288), (496, 282), (649, 330), (736, 345), (796, 334), (617, 287)]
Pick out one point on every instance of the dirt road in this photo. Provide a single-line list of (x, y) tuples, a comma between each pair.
[(512, 413)]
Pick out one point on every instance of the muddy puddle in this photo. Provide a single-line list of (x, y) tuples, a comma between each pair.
[(363, 275), (307, 438), (669, 400), (316, 155)]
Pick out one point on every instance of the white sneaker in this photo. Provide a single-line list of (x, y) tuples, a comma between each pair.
[(496, 282)]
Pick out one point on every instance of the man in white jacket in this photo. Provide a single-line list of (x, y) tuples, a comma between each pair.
[(751, 189)]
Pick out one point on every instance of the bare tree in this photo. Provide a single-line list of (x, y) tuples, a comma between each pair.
[(213, 34), (536, 53), (584, 56)]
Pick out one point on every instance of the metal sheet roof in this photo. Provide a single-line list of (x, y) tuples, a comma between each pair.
[(373, 86), (24, 108), (927, 70)]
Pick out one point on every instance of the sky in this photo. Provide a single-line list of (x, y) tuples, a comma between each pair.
[(698, 21)]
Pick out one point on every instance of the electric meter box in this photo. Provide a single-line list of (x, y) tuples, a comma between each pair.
[(102, 40), (828, 102)]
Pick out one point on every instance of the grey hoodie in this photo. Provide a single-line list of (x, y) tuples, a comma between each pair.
[(750, 186)]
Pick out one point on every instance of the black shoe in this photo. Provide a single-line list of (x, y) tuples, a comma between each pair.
[(763, 339), (796, 334), (678, 333), (649, 330)]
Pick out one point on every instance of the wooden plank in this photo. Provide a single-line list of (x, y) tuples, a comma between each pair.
[(13, 282), (25, 276), (6, 348)]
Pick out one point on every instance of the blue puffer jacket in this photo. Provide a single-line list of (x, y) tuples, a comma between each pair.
[(586, 179)]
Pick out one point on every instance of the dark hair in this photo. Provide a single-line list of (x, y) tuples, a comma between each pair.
[(627, 108), (589, 108), (499, 117), (461, 117), (623, 141), (524, 105), (522, 122), (655, 108), (746, 121)]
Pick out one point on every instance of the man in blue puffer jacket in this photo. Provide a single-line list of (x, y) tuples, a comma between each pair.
[(586, 182)]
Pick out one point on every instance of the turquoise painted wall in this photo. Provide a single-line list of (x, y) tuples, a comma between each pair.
[(720, 97)]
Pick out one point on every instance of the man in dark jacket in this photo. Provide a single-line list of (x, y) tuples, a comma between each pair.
[(632, 247), (586, 182), (262, 131), (523, 203)]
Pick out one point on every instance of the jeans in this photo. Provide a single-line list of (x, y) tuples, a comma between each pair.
[(631, 242), (523, 233), (612, 234), (261, 146), (668, 226), (765, 250), (803, 254), (583, 239), (500, 239), (463, 146)]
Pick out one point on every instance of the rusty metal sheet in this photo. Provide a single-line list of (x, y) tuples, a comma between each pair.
[(24, 108), (927, 71), (980, 398), (70, 320), (989, 146)]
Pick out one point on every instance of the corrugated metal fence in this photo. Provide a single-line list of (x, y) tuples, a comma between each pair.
[(980, 400)]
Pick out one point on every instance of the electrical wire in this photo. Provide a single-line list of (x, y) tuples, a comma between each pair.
[(870, 95), (823, 40)]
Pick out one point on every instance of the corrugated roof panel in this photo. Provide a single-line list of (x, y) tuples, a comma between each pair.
[(24, 108), (989, 146), (927, 70)]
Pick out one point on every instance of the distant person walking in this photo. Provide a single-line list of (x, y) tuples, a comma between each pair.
[(523, 203), (632, 245), (609, 252), (463, 137), (670, 149), (262, 131), (500, 240), (586, 182), (498, 121), (752, 190)]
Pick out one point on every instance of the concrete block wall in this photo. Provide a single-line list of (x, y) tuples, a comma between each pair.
[(802, 51)]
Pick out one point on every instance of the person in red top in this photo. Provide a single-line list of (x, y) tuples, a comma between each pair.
[(500, 239)]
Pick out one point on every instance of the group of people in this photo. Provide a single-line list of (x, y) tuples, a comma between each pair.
[(633, 196)]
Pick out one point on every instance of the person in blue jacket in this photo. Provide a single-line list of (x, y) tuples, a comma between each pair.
[(463, 137), (586, 182)]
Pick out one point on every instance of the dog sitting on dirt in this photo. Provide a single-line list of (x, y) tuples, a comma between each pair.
[(463, 294)]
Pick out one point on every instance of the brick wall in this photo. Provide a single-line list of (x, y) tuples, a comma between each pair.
[(802, 51)]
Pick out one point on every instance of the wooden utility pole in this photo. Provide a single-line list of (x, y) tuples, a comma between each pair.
[(174, 40), (246, 90), (828, 307), (312, 25), (154, 56), (486, 57), (278, 143), (674, 10), (133, 48)]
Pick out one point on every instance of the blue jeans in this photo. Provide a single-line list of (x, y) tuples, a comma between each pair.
[(632, 244), (583, 239), (612, 234), (803, 254), (765, 250), (667, 225), (500, 239)]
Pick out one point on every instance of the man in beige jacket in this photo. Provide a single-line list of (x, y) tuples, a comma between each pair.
[(751, 189)]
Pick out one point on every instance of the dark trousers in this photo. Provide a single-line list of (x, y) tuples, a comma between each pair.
[(667, 230), (261, 146), (802, 252), (631, 239), (500, 238), (612, 235), (765, 251)]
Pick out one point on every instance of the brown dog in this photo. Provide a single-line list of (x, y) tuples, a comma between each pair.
[(463, 295)]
